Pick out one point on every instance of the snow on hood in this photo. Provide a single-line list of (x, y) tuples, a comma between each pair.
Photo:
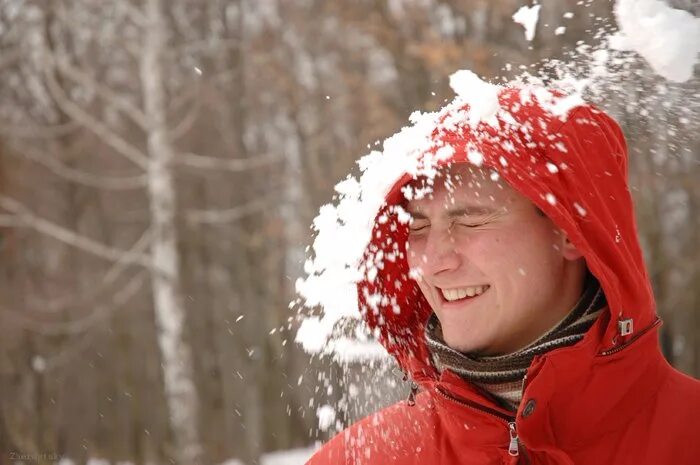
[(567, 157)]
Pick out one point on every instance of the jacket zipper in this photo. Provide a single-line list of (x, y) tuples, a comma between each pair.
[(514, 445), (633, 339), (411, 401)]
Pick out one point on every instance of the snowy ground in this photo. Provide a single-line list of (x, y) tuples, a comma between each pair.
[(285, 457), (288, 457)]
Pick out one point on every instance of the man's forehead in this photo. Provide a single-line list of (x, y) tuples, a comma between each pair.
[(461, 185)]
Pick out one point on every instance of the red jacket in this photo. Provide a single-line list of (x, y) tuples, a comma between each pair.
[(611, 398)]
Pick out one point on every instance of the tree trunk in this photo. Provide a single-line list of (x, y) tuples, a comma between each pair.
[(181, 394)]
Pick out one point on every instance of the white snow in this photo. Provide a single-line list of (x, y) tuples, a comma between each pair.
[(555, 105), (581, 211), (667, 38), (343, 229), (475, 157), (346, 350), (333, 271), (38, 363), (313, 333), (297, 456), (481, 97), (233, 462), (326, 417), (288, 457), (527, 16)]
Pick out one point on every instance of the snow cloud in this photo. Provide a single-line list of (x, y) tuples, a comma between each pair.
[(667, 38)]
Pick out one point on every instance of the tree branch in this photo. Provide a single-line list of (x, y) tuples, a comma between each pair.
[(109, 96), (194, 160), (52, 328), (85, 119), (81, 177), (108, 279), (230, 215), (186, 123), (12, 131), (70, 237)]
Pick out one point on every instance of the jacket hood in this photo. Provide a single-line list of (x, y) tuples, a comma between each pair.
[(569, 158)]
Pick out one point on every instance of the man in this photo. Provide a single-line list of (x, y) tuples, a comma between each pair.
[(517, 299)]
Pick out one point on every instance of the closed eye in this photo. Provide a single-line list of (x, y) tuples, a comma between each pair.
[(468, 221), (418, 226), (470, 225)]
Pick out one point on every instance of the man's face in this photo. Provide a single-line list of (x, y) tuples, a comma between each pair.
[(496, 272)]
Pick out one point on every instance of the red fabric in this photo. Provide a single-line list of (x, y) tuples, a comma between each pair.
[(591, 406)]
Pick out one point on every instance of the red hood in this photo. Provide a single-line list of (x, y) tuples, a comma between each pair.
[(592, 205)]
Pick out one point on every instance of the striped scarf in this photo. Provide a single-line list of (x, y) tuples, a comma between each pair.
[(502, 376)]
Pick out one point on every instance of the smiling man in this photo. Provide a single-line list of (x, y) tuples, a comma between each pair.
[(473, 236), (517, 300)]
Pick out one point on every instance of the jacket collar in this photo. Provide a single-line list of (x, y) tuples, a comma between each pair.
[(576, 393)]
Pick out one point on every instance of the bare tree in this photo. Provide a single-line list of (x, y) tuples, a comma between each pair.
[(170, 312)]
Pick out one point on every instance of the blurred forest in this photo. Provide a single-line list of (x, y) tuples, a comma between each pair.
[(161, 162)]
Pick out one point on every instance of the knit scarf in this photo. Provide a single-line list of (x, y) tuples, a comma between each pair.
[(502, 376)]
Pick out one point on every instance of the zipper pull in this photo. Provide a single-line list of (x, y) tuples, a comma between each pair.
[(411, 401), (513, 448)]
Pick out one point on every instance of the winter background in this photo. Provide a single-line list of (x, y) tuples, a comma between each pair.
[(167, 281)]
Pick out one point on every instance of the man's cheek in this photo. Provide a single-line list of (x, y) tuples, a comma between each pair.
[(415, 256)]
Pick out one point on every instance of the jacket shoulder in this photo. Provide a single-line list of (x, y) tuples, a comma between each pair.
[(671, 417), (679, 396)]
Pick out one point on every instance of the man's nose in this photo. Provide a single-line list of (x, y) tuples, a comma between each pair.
[(440, 253)]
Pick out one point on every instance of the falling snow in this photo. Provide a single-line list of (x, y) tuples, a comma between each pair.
[(527, 16)]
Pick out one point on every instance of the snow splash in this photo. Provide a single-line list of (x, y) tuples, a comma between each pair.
[(333, 272), (343, 229)]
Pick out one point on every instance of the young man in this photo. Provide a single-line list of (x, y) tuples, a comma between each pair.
[(517, 299)]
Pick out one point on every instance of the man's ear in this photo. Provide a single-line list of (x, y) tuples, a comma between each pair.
[(568, 249)]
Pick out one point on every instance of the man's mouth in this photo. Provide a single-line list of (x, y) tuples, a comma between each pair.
[(462, 293)]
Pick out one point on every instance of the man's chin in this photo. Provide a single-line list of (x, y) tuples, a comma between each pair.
[(461, 343)]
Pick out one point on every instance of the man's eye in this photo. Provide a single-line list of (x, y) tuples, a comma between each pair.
[(470, 225), (418, 227)]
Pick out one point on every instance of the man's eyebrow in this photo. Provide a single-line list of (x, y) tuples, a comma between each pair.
[(470, 210), (461, 210), (416, 214)]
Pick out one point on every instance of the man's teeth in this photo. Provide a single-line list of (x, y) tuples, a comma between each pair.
[(462, 292)]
